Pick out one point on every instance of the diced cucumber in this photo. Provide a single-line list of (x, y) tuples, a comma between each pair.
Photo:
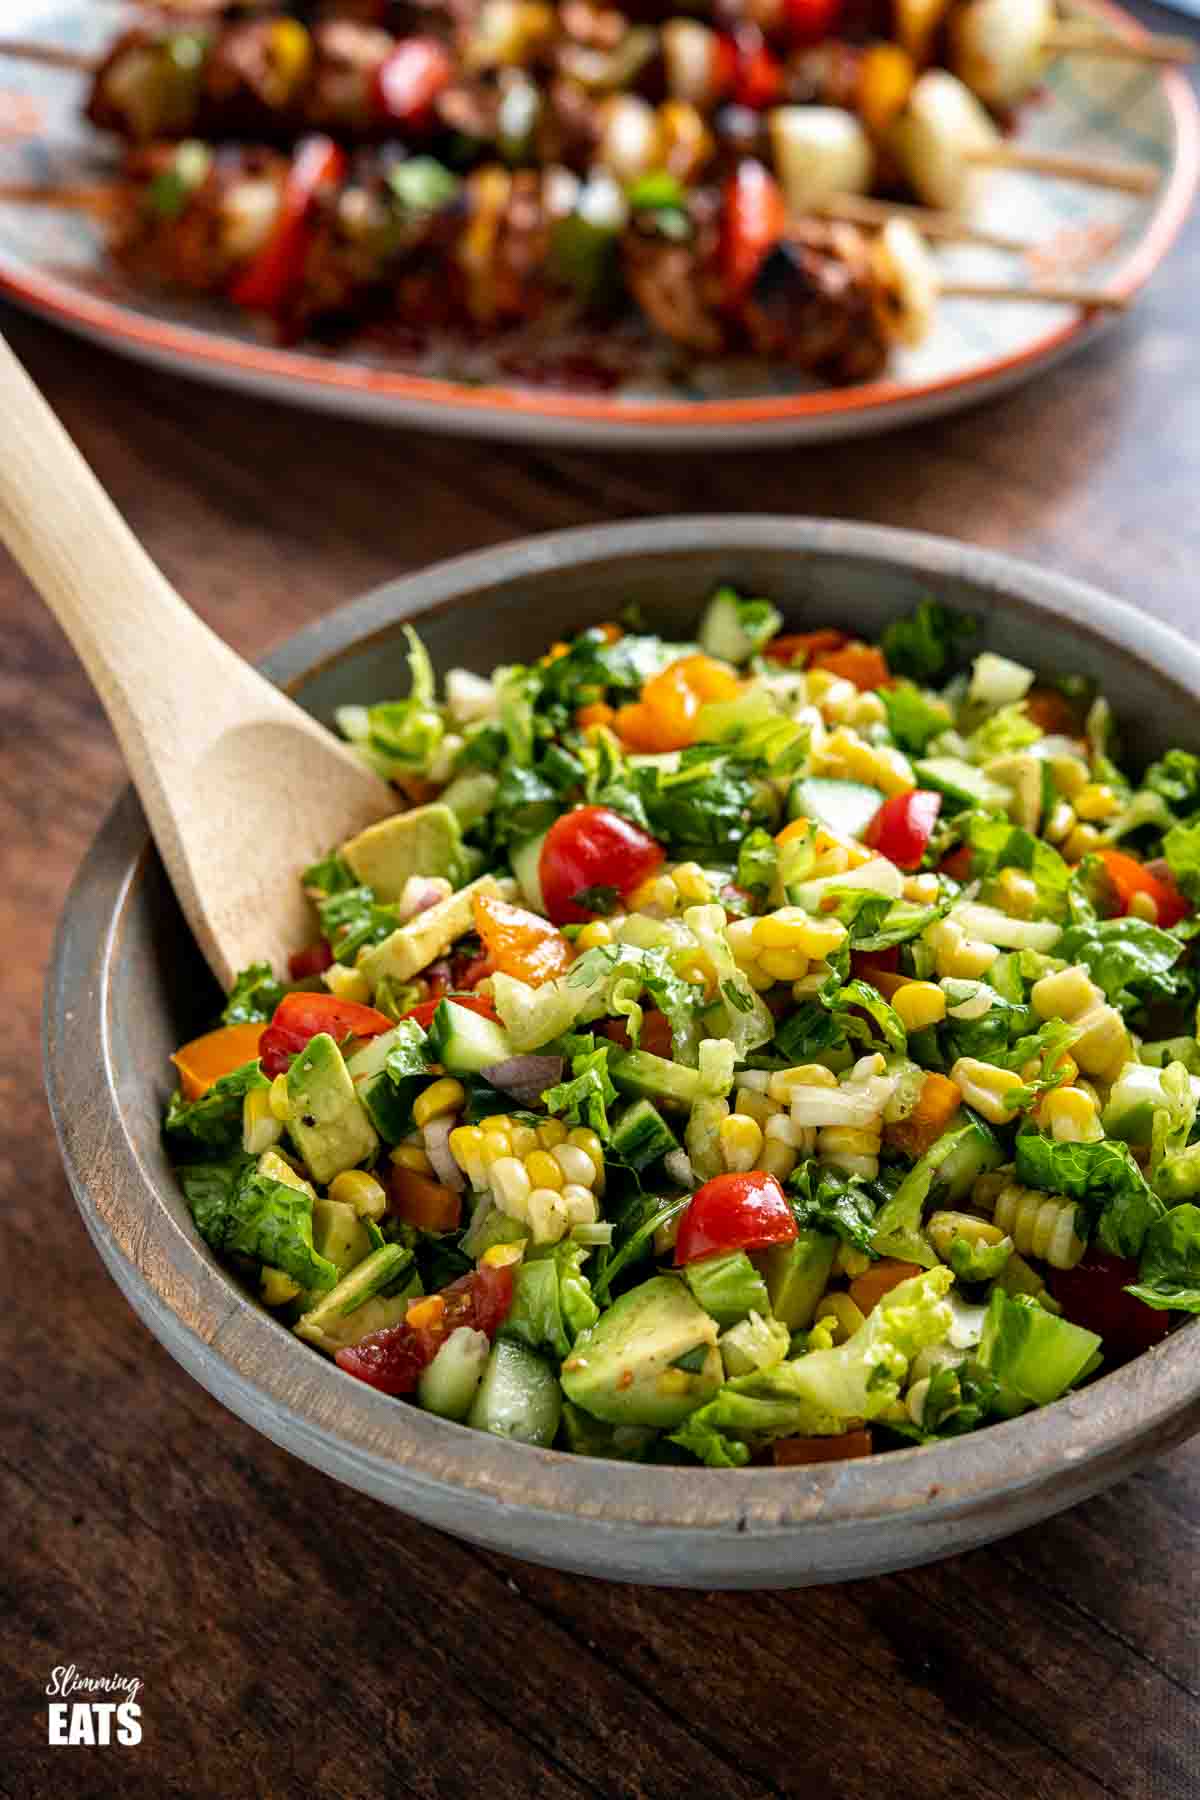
[(640, 1135), (641, 1072), (389, 1098), (1029, 1350), (518, 1397), (734, 629), (845, 807), (995, 927), (975, 1152), (470, 797), (449, 1385), (879, 875), (1136, 1093), (464, 1042), (797, 1275), (525, 859), (962, 783)]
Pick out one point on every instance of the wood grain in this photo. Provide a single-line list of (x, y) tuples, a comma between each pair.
[(297, 1638)]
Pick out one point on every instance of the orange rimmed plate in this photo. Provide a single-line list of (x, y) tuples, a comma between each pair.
[(627, 389)]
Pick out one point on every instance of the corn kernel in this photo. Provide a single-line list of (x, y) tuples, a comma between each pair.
[(1060, 821), (1065, 994), (1070, 775), (347, 983), (1096, 801), (502, 1256), (524, 1141), (511, 1185), (1071, 1115), (783, 965), (791, 928), (919, 1004), (278, 1099), (983, 1087), (587, 1141), (752, 1105), (922, 890), (361, 1191), (777, 1159), (740, 933), (868, 709), (260, 1127), (543, 1170), (423, 1313), (944, 1227), (956, 954), (1039, 1225), (547, 1215), (410, 1156), (741, 1140), (276, 1288), (495, 1145), (784, 1083), (1144, 906), (593, 935), (551, 1132), (691, 883), (496, 1122), (1082, 842), (466, 1147), (575, 1164), (1017, 893), (842, 1310), (580, 1204), (757, 977), (445, 1096)]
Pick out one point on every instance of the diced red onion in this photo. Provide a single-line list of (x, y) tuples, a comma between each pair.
[(436, 1138), (526, 1078)]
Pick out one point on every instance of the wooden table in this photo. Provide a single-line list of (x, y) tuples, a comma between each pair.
[(296, 1638)]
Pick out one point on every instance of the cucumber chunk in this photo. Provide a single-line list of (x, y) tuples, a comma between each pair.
[(449, 1385), (846, 807), (518, 1397), (640, 1135), (525, 859), (466, 1043)]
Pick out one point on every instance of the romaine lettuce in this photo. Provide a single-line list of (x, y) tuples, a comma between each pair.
[(237, 1209), (1169, 1273)]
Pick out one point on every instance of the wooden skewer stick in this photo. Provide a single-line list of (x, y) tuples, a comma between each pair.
[(859, 209), (1094, 299), (1079, 38), (1126, 178), (52, 56)]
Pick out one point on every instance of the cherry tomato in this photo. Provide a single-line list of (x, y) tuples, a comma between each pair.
[(278, 268), (314, 959), (958, 864), (759, 82), (903, 826), (1092, 1294), (1054, 712), (724, 68), (409, 81), (657, 1036), (521, 943), (866, 964), (1130, 877), (753, 219), (802, 646), (810, 21), (392, 1359), (734, 1212), (593, 847), (475, 1003), (299, 1017)]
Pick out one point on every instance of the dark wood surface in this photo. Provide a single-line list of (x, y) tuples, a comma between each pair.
[(296, 1638)]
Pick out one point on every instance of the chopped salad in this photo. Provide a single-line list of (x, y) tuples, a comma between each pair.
[(775, 1047)]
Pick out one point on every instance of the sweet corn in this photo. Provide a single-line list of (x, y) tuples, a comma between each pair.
[(544, 1171), (656, 890), (1039, 1225), (957, 955), (1060, 821), (260, 1126), (783, 1084), (1017, 893), (783, 965), (777, 1159), (1070, 775), (580, 1204), (466, 1147), (741, 1140), (356, 1188), (347, 983), (868, 709), (593, 935), (691, 883), (850, 1148), (502, 1256), (276, 1288), (919, 1004), (587, 1141), (1103, 1044), (1096, 801), (496, 1122), (574, 1164), (879, 766), (411, 1156), (757, 1079), (546, 1215), (791, 928), (1144, 906), (944, 1227), (511, 1185), (551, 1132), (1071, 1115), (1082, 842), (752, 1105), (524, 1140), (445, 1096), (495, 1145), (1064, 994), (922, 890), (842, 1309), (278, 1099), (983, 1086), (781, 1129)]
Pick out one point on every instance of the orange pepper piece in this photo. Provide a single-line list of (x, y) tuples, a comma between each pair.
[(599, 713), (665, 716), (868, 1289), (613, 633), (217, 1053), (1054, 713), (799, 646), (937, 1104), (862, 664), (520, 943)]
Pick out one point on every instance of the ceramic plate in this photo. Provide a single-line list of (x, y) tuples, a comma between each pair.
[(54, 262)]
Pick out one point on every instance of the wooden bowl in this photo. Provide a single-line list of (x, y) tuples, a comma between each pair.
[(127, 985)]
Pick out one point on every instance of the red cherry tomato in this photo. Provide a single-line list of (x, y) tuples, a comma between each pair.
[(958, 864), (409, 81), (903, 826), (278, 268), (866, 964), (593, 847), (392, 1359), (753, 219), (314, 959), (724, 70), (299, 1017), (656, 1037), (475, 1003), (809, 21), (734, 1212), (1130, 877), (1092, 1294), (759, 81)]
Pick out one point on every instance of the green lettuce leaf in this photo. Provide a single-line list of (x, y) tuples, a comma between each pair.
[(353, 918), (996, 844), (1181, 847), (237, 1209), (928, 642), (1131, 960), (399, 737), (253, 997), (758, 864), (215, 1120), (552, 1299), (1169, 1272), (586, 1097), (1115, 1198), (1175, 777), (706, 806), (826, 1200), (914, 718)]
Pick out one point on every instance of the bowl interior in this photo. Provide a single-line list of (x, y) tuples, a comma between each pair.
[(129, 985)]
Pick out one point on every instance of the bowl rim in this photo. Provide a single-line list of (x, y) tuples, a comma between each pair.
[(406, 1456)]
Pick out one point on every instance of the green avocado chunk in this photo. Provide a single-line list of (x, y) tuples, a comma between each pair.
[(797, 1274), (425, 841), (357, 1306), (339, 1234), (412, 947), (327, 1121), (626, 1368)]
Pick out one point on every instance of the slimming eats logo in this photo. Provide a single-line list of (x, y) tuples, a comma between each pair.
[(113, 1719)]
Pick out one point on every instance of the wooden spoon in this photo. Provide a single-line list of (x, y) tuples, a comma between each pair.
[(241, 788)]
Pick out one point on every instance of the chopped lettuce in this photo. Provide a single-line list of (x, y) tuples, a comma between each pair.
[(739, 1013), (586, 1097), (253, 997), (552, 1299), (1030, 1352), (728, 1286), (643, 1216), (1175, 778), (708, 804), (827, 1200), (399, 737), (237, 1209), (897, 1230), (1113, 1195), (914, 719), (215, 1120), (996, 844), (1169, 1272), (757, 864), (926, 644), (604, 981), (1181, 847), (1132, 961), (877, 922), (329, 876), (352, 919), (1007, 730)]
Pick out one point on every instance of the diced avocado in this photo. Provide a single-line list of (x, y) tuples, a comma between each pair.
[(470, 797), (1022, 774), (278, 1168), (846, 807), (466, 1043), (412, 947), (668, 1083), (525, 860), (518, 1396), (1135, 1095), (449, 1385), (963, 783), (734, 629), (587, 1436), (1029, 1350), (797, 1275), (425, 841), (327, 1121), (727, 1285), (339, 1234), (640, 1135), (625, 1369), (356, 1307)]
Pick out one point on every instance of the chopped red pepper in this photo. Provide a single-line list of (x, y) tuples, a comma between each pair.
[(903, 826), (314, 959), (802, 646), (275, 273), (753, 219), (958, 864), (299, 1017), (1129, 877), (734, 1212), (1092, 1294), (759, 82), (656, 1034), (392, 1359)]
